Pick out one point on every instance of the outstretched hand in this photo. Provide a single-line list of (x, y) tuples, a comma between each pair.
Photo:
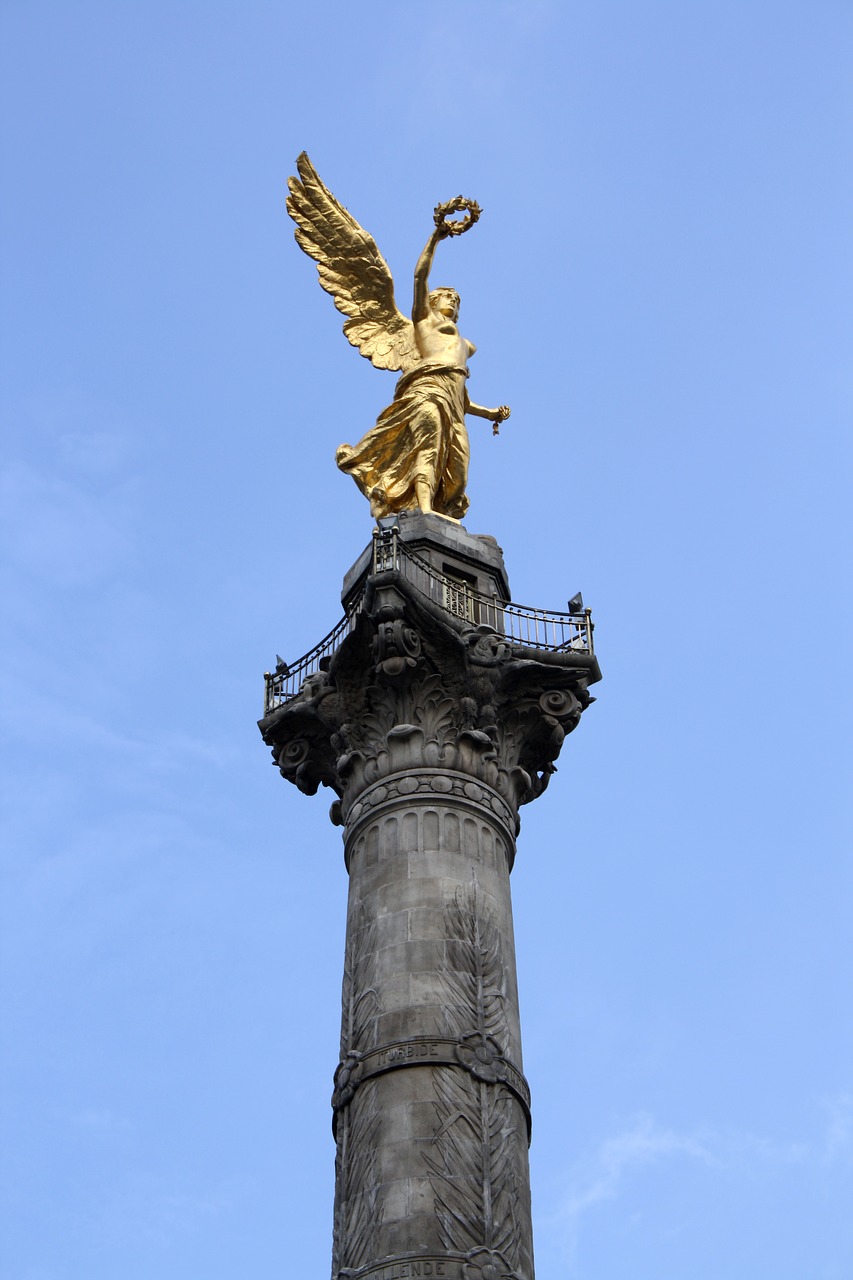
[(501, 414)]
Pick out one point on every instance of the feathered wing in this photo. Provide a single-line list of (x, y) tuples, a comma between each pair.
[(352, 270)]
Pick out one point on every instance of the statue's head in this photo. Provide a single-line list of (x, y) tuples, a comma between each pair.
[(446, 301)]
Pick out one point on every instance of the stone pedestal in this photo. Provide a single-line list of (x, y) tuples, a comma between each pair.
[(432, 727)]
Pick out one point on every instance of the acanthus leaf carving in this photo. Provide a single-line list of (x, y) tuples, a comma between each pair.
[(434, 709)]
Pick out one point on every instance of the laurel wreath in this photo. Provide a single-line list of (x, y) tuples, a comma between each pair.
[(456, 228)]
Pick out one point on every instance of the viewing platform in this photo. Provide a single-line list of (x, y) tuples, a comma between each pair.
[(468, 596)]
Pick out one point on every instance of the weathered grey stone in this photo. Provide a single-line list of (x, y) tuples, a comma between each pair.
[(432, 733)]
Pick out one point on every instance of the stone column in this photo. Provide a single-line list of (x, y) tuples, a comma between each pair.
[(432, 729), (431, 1108)]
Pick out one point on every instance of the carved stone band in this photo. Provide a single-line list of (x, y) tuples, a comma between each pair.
[(433, 1051), (406, 1268), (410, 1266), (437, 786)]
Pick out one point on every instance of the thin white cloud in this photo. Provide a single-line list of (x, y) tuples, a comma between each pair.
[(642, 1143)]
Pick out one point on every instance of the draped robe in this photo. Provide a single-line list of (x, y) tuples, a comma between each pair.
[(420, 436)]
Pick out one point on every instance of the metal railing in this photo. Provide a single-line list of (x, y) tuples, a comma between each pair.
[(533, 628), (528, 628), (285, 682)]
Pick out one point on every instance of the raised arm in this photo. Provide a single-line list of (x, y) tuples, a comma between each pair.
[(420, 305)]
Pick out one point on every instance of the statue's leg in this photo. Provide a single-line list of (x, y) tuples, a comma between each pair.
[(426, 428), (450, 497), (424, 490)]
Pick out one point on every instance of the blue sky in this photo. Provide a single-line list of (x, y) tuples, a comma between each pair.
[(660, 287)]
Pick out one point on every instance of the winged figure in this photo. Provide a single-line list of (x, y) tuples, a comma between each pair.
[(416, 456)]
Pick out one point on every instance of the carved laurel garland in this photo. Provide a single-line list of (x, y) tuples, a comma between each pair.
[(359, 998), (475, 984), (473, 1171), (441, 214), (354, 1127), (360, 1209)]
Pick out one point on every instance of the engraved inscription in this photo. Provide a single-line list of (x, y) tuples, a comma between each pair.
[(410, 1052), (476, 1264), (448, 1268)]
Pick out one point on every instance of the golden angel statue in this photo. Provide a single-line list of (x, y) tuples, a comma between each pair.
[(416, 457)]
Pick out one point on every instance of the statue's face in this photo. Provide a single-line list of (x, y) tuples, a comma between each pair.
[(446, 303)]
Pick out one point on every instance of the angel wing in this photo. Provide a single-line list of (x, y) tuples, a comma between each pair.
[(352, 270)]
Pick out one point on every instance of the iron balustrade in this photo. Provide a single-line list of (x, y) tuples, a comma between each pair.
[(282, 685), (532, 628), (522, 627)]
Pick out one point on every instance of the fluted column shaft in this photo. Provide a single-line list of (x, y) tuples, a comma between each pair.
[(432, 1116)]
